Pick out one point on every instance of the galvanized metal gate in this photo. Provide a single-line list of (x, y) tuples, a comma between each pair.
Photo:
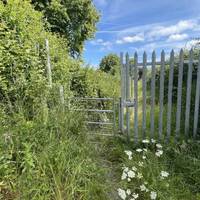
[(144, 105), (99, 113)]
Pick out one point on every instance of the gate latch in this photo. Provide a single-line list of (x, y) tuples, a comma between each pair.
[(129, 103)]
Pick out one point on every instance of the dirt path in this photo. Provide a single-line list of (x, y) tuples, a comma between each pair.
[(111, 179)]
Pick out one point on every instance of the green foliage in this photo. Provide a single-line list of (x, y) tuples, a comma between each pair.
[(75, 20), (88, 82), (181, 161), (38, 161), (23, 57), (110, 64)]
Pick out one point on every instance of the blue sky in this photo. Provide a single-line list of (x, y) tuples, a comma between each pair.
[(143, 25)]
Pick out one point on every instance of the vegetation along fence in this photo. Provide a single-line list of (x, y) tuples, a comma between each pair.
[(160, 98)]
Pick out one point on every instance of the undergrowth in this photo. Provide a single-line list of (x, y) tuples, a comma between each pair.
[(181, 163), (51, 160)]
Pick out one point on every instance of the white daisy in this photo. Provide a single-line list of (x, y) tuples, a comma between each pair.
[(153, 195), (121, 193)]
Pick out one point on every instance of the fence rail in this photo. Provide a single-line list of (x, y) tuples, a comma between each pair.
[(169, 123)]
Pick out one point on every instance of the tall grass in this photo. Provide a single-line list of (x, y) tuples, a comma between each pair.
[(48, 157)]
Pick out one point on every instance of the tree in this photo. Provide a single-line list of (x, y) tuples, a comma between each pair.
[(110, 64), (73, 19)]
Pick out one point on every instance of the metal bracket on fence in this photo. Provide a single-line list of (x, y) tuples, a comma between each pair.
[(129, 103)]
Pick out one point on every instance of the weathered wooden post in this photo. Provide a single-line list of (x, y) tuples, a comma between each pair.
[(49, 74)]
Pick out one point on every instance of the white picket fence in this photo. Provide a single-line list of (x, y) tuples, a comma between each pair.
[(130, 103)]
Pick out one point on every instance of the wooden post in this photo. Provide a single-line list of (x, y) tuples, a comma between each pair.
[(127, 97), (153, 76), (188, 96), (161, 97), (179, 94), (49, 74), (62, 98), (136, 97), (144, 94), (196, 112), (170, 88)]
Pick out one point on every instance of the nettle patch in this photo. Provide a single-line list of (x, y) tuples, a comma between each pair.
[(142, 175)]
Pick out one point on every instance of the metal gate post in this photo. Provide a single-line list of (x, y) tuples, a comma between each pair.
[(121, 106), (114, 117)]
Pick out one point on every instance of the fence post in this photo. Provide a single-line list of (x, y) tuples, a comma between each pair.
[(170, 88), (127, 97), (62, 98), (114, 117), (161, 96), (153, 75), (136, 97), (196, 112), (179, 94), (49, 74), (121, 113), (188, 97), (144, 94)]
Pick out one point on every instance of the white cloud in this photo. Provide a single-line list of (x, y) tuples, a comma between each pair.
[(178, 28), (131, 39), (177, 37), (105, 45)]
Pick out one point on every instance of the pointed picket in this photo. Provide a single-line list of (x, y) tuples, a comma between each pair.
[(144, 94), (179, 93), (188, 95), (161, 94), (136, 97), (127, 96), (153, 77), (196, 111), (170, 88)]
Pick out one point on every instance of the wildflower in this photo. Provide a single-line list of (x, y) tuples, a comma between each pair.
[(153, 195), (131, 174), (145, 150), (140, 163), (128, 179), (139, 150), (164, 174), (124, 176), (134, 168), (125, 169), (159, 146), (128, 191), (159, 153), (153, 141), (135, 196), (144, 157), (143, 188), (139, 175), (121, 193), (145, 141), (129, 154)]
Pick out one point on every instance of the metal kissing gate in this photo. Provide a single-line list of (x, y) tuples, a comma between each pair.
[(139, 86), (99, 112)]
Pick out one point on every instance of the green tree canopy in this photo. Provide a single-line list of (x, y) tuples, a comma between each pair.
[(110, 64), (73, 19)]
